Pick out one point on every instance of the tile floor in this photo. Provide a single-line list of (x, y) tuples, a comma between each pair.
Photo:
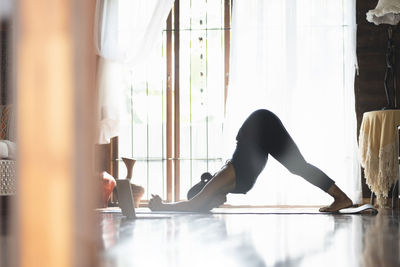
[(251, 240)]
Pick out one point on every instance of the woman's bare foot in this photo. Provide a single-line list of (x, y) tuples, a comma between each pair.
[(341, 200), (337, 205)]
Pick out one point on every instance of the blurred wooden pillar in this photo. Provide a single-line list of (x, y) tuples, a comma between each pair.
[(55, 105)]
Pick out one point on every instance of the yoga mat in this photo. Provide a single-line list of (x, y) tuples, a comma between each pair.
[(363, 209), (367, 208)]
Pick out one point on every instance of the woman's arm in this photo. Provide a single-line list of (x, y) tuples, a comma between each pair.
[(211, 196), (156, 204)]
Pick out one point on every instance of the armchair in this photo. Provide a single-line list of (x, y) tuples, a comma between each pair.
[(7, 151)]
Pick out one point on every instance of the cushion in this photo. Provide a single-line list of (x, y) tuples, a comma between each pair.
[(3, 150), (8, 149)]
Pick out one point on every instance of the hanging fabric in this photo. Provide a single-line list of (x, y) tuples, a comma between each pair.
[(297, 60), (126, 32)]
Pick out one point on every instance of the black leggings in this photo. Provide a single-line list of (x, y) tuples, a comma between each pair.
[(261, 134)]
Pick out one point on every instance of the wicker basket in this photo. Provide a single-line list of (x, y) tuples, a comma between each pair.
[(8, 183)]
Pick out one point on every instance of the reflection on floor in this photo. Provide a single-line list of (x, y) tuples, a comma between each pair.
[(252, 240)]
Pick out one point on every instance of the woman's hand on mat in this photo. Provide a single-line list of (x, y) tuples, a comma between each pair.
[(155, 203)]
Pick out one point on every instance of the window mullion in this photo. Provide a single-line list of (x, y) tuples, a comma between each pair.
[(176, 104), (227, 38), (169, 105)]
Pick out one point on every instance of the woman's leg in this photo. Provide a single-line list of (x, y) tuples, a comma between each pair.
[(266, 129), (289, 155), (285, 150)]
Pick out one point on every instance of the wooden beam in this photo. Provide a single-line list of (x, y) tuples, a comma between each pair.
[(5, 66), (86, 195), (227, 44), (177, 114), (114, 157)]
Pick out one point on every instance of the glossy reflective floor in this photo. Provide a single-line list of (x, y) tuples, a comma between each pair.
[(252, 240)]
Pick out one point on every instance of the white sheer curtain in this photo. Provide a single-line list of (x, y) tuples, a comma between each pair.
[(126, 32), (297, 59)]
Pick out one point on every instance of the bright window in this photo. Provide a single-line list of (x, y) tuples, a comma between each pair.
[(202, 66)]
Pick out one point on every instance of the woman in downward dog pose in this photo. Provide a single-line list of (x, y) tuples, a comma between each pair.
[(262, 134)]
